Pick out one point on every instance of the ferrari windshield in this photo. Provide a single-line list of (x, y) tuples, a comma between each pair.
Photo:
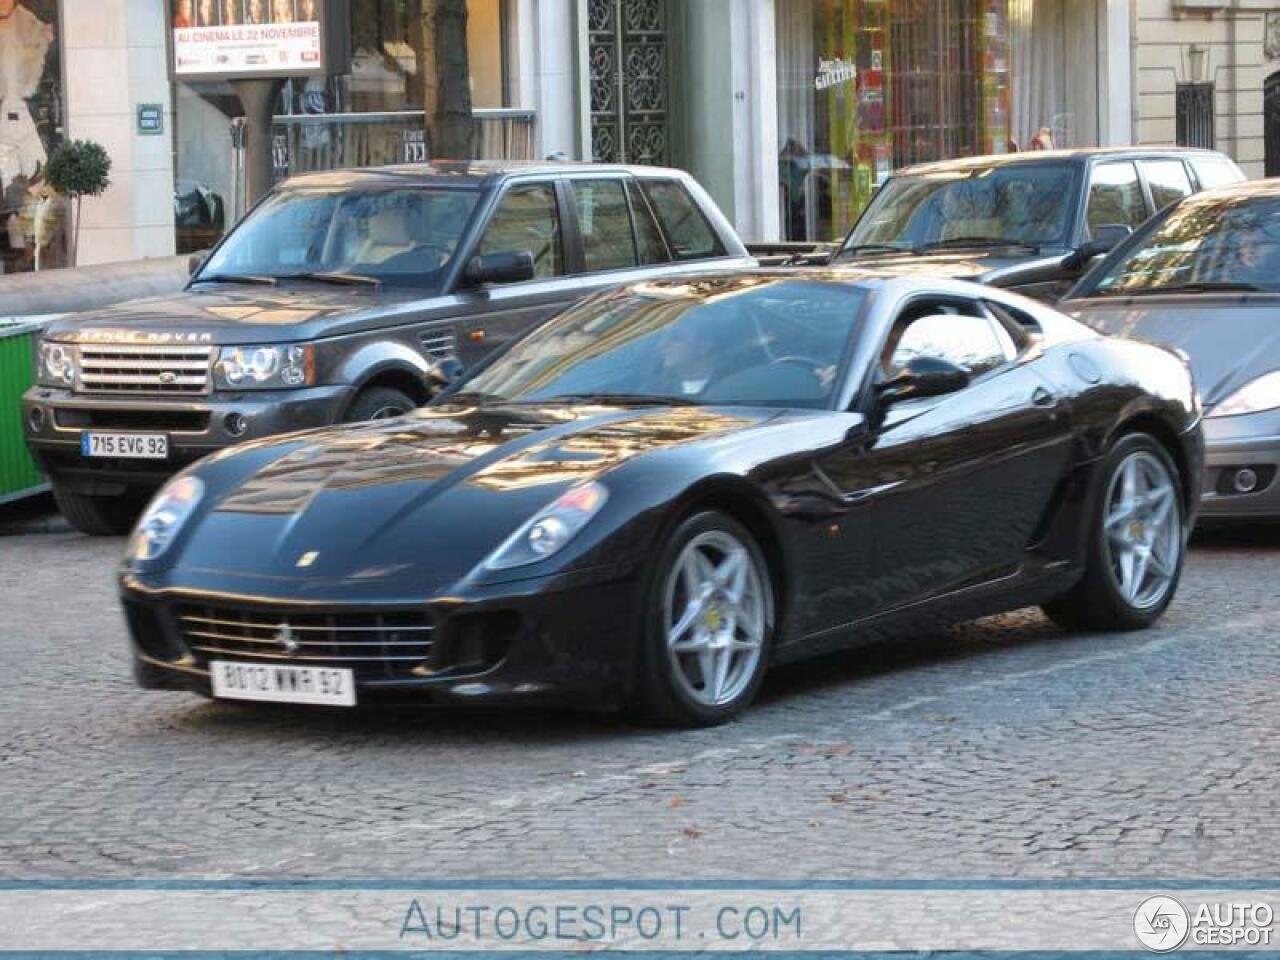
[(755, 341), (1206, 242), (1017, 203), (402, 237)]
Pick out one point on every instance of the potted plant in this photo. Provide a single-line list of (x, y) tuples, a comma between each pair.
[(78, 169)]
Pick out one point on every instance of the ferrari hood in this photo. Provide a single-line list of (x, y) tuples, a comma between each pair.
[(429, 495), (1230, 340), (219, 314)]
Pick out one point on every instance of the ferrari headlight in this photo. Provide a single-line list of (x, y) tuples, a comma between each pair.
[(57, 364), (1255, 396), (163, 519), (262, 368), (551, 528)]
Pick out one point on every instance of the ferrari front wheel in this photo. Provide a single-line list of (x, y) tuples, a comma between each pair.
[(709, 621), (1136, 544)]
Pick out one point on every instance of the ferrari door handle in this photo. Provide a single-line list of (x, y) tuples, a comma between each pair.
[(1042, 397)]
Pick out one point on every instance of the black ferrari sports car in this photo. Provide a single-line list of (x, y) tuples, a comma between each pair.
[(668, 487)]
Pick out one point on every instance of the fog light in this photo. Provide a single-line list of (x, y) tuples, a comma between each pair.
[(1245, 480), (35, 419), (235, 424)]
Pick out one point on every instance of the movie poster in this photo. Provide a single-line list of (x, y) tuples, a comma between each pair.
[(213, 38), (31, 218)]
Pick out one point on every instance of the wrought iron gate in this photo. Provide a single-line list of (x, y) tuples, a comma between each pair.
[(1271, 121), (627, 60)]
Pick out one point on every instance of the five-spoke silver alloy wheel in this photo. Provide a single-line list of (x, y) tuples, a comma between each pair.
[(718, 606), (1143, 535)]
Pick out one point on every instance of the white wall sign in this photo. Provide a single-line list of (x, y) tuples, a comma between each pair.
[(228, 39), (833, 72)]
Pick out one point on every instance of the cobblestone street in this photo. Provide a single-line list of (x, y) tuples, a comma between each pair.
[(1001, 749)]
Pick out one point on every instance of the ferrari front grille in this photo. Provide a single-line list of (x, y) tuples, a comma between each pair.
[(383, 644)]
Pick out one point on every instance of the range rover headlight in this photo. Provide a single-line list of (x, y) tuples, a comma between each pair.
[(1262, 393), (265, 367), (57, 364), (164, 518), (549, 530)]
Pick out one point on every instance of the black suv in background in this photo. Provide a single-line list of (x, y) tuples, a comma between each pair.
[(345, 296), (1030, 222)]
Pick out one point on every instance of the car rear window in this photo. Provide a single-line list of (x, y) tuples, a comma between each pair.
[(1216, 172), (688, 233)]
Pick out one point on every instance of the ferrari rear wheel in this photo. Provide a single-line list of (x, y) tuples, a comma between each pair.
[(710, 621), (1137, 543)]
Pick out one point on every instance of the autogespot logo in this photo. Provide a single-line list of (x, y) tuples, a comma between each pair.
[(1161, 924)]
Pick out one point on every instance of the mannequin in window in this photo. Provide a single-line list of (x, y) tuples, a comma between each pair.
[(1043, 140)]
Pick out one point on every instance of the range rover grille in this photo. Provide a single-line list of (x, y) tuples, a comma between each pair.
[(150, 368)]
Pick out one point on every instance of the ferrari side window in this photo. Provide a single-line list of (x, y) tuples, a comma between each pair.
[(970, 342)]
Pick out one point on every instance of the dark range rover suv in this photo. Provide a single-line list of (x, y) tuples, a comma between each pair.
[(1030, 222), (345, 296)]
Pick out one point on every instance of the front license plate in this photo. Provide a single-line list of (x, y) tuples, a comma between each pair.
[(324, 686), (135, 446)]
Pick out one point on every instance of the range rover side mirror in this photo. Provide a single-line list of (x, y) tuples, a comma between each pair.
[(507, 266), (923, 377), (1105, 239)]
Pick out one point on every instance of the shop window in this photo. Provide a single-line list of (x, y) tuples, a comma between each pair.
[(33, 221), (527, 219), (1115, 197), (1193, 103), (1168, 180), (605, 224), (372, 116), (688, 234)]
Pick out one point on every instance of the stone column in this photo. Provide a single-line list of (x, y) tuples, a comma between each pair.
[(114, 58)]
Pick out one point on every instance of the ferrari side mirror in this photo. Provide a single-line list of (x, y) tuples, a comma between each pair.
[(923, 377)]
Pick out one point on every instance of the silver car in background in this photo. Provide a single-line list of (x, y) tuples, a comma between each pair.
[(1203, 277)]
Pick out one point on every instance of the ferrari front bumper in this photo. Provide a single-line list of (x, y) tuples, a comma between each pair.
[(530, 642)]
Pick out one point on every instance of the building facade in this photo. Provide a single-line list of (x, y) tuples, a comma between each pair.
[(790, 112), (1207, 73)]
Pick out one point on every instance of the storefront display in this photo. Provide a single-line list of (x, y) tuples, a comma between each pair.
[(866, 87), (32, 219), (369, 116)]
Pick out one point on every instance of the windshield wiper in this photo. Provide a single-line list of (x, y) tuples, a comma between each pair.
[(618, 399), (345, 279), (474, 397), (975, 242), (256, 280), (874, 248), (1200, 286)]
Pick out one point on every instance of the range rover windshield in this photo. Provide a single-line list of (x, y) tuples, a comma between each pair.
[(1018, 204), (401, 237)]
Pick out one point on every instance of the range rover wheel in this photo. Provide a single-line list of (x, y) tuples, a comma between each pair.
[(1136, 546), (709, 623), (378, 403), (98, 516)]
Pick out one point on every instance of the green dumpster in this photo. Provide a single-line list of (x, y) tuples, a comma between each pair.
[(18, 474)]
